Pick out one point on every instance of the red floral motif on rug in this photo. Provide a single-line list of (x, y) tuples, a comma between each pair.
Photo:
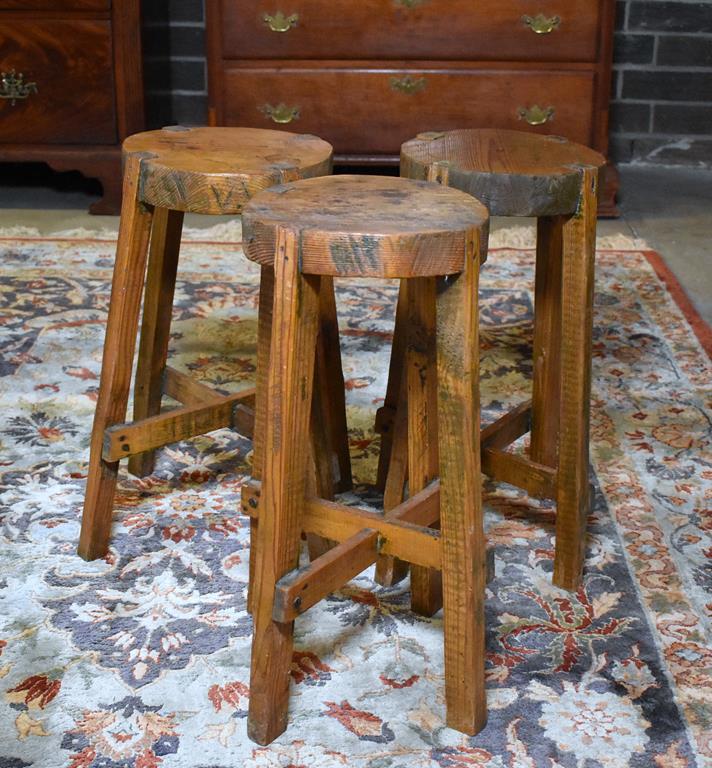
[(141, 660)]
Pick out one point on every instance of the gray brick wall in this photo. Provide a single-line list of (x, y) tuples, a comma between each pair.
[(662, 88), (175, 74)]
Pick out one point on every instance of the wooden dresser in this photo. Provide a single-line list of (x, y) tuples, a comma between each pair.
[(71, 86), (368, 74)]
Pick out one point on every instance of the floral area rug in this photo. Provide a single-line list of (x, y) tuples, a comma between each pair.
[(141, 660)]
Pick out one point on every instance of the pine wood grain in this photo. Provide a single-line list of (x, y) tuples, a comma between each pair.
[(573, 497), (117, 362), (289, 398), (172, 426), (554, 179), (385, 420), (537, 480), (188, 390), (461, 515), (508, 428), (512, 172), (155, 324), (217, 170), (330, 380), (364, 226), (546, 382), (418, 230), (422, 410), (171, 171), (264, 343), (299, 590), (392, 470)]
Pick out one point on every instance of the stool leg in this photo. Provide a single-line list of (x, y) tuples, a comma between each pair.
[(547, 342), (119, 345), (264, 341), (421, 376), (393, 458), (391, 570), (573, 499), (393, 388), (329, 435), (329, 432), (155, 325), (461, 518), (290, 379), (332, 391)]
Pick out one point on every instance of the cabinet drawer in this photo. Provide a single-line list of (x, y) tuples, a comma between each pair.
[(375, 110), (69, 62), (55, 5), (472, 30)]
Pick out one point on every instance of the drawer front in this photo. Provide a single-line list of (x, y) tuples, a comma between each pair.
[(66, 95), (55, 5), (374, 112), (471, 30)]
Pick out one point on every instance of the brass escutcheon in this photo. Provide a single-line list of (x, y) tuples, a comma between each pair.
[(542, 25), (408, 84), (281, 114), (279, 22), (536, 115), (13, 87)]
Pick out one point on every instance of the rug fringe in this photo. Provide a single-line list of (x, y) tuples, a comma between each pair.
[(520, 236), (227, 232), (231, 232)]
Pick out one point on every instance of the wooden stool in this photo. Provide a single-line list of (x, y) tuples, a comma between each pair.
[(166, 173), (432, 237), (523, 174)]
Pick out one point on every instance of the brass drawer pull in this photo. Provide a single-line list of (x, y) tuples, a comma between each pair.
[(540, 24), (536, 115), (408, 84), (279, 22), (409, 3), (281, 114), (14, 87)]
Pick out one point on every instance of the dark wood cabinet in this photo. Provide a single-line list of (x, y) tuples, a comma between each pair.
[(71, 87), (368, 75), (429, 29)]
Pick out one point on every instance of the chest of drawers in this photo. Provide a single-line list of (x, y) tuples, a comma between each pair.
[(70, 86), (368, 74)]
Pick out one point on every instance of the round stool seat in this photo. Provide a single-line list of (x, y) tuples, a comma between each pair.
[(358, 226), (512, 172), (217, 170)]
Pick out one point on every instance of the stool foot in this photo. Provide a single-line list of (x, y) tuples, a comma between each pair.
[(285, 465), (119, 345), (426, 591), (464, 557), (156, 325), (573, 497)]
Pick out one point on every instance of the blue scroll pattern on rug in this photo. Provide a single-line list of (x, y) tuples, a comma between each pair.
[(141, 660)]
